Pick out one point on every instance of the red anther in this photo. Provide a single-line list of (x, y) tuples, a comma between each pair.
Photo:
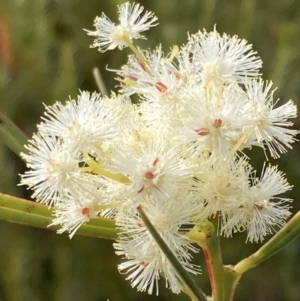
[(155, 161), (141, 225), (149, 175), (161, 87), (177, 75), (143, 65), (85, 211), (139, 191), (202, 132), (133, 77), (218, 123)]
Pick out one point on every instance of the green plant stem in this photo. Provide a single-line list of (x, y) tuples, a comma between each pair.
[(17, 210), (136, 51), (193, 290), (11, 135), (223, 279), (282, 238)]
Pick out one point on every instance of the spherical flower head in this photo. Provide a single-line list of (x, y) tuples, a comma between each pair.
[(221, 185), (74, 211), (88, 124), (222, 59), (54, 168), (153, 169), (270, 124), (261, 211), (146, 262), (160, 78), (110, 36)]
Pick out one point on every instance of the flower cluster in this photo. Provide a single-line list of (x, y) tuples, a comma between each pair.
[(178, 153)]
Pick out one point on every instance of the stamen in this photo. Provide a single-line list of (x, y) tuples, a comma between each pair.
[(149, 175), (155, 161), (202, 132), (139, 191), (175, 50), (132, 77), (218, 123), (161, 87), (177, 74), (259, 207), (85, 211), (143, 65), (129, 82)]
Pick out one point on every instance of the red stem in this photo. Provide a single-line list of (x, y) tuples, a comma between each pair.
[(209, 269)]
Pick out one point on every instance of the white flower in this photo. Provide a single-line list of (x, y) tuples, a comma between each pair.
[(222, 59), (165, 91), (53, 168), (214, 122), (153, 168), (270, 124), (260, 211), (145, 260), (221, 185), (161, 77), (89, 124), (72, 212), (110, 36)]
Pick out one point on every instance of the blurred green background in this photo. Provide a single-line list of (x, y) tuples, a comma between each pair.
[(45, 56)]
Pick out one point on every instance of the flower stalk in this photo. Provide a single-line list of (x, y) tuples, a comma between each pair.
[(223, 279)]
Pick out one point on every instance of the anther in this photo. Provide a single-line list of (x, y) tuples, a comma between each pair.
[(149, 175), (143, 65), (202, 132), (132, 77), (85, 211), (139, 191), (218, 123), (161, 87), (155, 161)]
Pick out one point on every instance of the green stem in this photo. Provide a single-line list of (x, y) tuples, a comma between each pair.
[(193, 290), (223, 279), (138, 53), (282, 238), (95, 167), (11, 135), (20, 211)]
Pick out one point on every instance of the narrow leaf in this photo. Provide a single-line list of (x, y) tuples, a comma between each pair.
[(20, 211), (281, 239), (195, 292), (11, 135)]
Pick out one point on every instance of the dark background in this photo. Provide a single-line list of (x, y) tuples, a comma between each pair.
[(45, 56)]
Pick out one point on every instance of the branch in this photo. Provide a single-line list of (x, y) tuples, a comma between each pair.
[(282, 238)]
